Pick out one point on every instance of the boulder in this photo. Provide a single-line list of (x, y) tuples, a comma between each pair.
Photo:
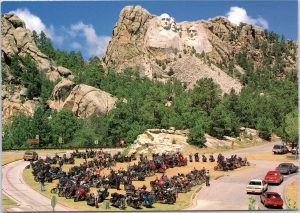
[(64, 71), (82, 99), (16, 21), (158, 141)]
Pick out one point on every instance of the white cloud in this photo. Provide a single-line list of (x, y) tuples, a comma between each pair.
[(50, 32), (34, 22), (96, 44), (76, 45), (237, 15)]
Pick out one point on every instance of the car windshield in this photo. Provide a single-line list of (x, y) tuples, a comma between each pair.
[(277, 147), (28, 153), (284, 165), (273, 196), (255, 183)]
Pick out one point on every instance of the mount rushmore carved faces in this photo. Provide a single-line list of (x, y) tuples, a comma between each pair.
[(165, 21), (173, 25), (192, 32)]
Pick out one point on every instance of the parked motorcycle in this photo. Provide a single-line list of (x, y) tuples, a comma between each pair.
[(81, 193), (204, 158), (135, 203), (118, 201), (102, 194), (211, 158), (147, 199)]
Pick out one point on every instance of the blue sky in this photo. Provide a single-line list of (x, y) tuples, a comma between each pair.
[(87, 26)]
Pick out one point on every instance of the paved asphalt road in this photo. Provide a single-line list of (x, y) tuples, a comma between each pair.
[(28, 199), (229, 191)]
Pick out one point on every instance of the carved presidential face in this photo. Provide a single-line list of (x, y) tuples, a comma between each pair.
[(173, 25), (165, 21), (193, 32)]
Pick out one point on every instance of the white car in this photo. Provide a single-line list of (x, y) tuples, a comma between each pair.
[(257, 186)]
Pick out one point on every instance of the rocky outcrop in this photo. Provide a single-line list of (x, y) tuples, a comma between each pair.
[(17, 40), (157, 44), (171, 140), (128, 37), (159, 141), (82, 99), (14, 101)]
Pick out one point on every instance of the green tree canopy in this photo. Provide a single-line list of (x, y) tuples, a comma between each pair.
[(64, 124), (291, 127)]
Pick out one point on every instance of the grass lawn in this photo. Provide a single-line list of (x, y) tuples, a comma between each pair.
[(270, 156), (7, 202), (183, 199), (215, 150), (10, 158), (13, 157), (291, 194)]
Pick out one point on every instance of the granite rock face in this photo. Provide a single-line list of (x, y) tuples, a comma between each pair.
[(159, 141), (17, 40), (147, 41), (82, 99)]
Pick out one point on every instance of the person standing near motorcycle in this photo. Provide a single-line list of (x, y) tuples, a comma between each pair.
[(98, 171), (42, 181), (165, 178), (118, 181), (96, 196), (191, 157), (108, 164), (207, 178)]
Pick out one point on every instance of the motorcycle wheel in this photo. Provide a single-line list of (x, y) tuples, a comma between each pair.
[(53, 191), (122, 204), (60, 194), (68, 196)]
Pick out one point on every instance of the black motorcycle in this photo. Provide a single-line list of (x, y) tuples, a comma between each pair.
[(133, 202), (102, 194), (147, 199), (196, 157), (211, 158), (204, 158), (191, 158), (118, 201)]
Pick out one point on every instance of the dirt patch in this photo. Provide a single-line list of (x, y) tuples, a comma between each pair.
[(270, 156)]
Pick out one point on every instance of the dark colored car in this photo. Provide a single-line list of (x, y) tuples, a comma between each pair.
[(287, 168), (271, 199), (280, 149), (273, 177)]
